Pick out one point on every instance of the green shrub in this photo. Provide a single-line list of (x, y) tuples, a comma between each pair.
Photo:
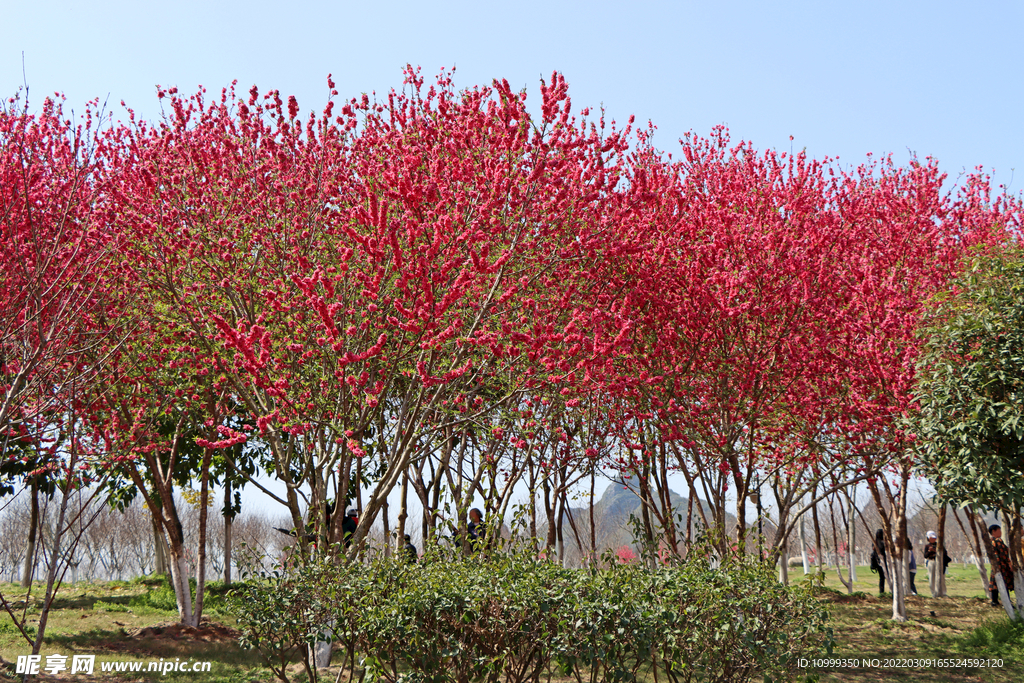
[(215, 597), (512, 617), (460, 619), (281, 614), (736, 622), (159, 597)]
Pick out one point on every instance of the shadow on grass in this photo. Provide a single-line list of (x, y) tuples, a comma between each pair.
[(93, 639)]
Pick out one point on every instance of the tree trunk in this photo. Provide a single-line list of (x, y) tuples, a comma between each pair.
[(1004, 596), (403, 512), (359, 485), (33, 529), (165, 515), (900, 559), (670, 528), (179, 580), (940, 555), (784, 564), (533, 507), (851, 541), (593, 531), (55, 560), (385, 514), (559, 536), (803, 546), (818, 555), (228, 519), (979, 553), (1017, 559), (900, 566), (161, 564), (1012, 532), (689, 526), (549, 512), (893, 531), (835, 544), (646, 503), (204, 496), (178, 564)]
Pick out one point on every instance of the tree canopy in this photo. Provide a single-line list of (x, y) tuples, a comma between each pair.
[(971, 385)]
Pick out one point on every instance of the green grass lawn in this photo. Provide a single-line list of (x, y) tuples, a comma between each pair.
[(129, 622), (134, 621), (962, 626)]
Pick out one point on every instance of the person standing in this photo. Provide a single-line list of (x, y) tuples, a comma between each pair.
[(913, 567), (475, 531), (348, 526), (878, 560), (931, 552), (412, 555), (1001, 565)]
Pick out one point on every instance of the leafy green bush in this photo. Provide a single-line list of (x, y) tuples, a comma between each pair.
[(281, 613), (734, 623), (158, 597), (612, 618), (512, 617), (215, 597), (460, 619)]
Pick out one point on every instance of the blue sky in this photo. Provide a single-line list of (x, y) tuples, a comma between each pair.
[(939, 78)]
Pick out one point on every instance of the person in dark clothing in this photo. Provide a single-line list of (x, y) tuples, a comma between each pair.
[(476, 529), (348, 526), (878, 560), (410, 550), (913, 567), (931, 551), (1001, 565)]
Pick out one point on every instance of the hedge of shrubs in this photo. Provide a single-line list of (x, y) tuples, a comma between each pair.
[(511, 617)]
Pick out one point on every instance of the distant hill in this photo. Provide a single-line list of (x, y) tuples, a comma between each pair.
[(611, 518)]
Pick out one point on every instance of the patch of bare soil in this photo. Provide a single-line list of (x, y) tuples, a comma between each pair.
[(208, 632), (844, 598)]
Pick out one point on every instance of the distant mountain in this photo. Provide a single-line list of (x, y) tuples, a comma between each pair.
[(611, 518)]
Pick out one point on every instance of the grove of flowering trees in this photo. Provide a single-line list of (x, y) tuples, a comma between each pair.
[(438, 291)]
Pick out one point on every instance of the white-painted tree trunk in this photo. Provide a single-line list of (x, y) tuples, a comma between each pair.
[(1004, 596), (851, 544), (784, 566), (183, 593), (896, 570), (322, 648), (980, 564)]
